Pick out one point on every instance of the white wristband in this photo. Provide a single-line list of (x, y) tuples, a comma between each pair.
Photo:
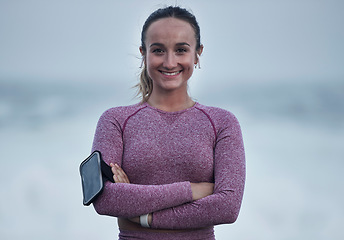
[(144, 221)]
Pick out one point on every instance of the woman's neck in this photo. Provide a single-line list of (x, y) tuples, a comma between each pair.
[(171, 102)]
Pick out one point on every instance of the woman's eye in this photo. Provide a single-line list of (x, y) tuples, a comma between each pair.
[(158, 50), (181, 50)]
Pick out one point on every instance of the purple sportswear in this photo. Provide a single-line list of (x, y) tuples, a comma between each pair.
[(162, 152)]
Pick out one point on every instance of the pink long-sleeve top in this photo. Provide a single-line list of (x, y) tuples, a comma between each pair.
[(162, 152)]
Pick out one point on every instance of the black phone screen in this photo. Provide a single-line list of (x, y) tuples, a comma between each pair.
[(91, 177)]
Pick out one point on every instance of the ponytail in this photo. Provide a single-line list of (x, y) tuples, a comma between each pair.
[(145, 86)]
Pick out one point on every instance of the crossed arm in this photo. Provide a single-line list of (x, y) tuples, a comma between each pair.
[(199, 190)]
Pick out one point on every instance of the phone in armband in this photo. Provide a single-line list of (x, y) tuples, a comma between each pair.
[(94, 172)]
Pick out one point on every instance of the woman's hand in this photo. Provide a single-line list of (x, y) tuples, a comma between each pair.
[(201, 190), (118, 174)]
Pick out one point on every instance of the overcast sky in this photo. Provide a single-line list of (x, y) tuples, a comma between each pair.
[(85, 40)]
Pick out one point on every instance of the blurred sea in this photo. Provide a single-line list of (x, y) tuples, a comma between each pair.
[(293, 134)]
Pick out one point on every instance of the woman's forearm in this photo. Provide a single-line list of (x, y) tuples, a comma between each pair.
[(132, 200)]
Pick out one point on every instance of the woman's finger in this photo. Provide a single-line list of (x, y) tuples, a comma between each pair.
[(115, 178), (115, 173), (123, 176), (118, 174), (113, 169)]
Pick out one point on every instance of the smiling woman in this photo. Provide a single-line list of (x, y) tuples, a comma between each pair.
[(170, 59), (172, 28), (178, 166)]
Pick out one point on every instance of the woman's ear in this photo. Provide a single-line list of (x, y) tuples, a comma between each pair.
[(143, 56), (141, 50), (200, 51), (198, 54)]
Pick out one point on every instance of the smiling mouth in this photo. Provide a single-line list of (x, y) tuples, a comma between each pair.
[(171, 73)]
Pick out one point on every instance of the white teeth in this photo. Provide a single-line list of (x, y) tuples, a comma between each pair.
[(170, 74)]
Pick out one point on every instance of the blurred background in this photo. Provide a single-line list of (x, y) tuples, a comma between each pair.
[(277, 65)]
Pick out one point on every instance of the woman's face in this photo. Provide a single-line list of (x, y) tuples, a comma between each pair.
[(170, 53)]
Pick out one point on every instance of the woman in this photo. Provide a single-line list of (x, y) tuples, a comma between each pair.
[(179, 166)]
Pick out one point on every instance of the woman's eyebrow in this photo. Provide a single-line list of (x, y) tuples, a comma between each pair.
[(183, 44), (156, 44), (162, 45)]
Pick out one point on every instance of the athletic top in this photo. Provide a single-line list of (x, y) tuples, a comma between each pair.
[(161, 153)]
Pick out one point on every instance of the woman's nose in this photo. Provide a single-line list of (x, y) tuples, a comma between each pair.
[(170, 61)]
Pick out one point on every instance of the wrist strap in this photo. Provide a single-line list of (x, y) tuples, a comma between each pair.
[(144, 221)]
